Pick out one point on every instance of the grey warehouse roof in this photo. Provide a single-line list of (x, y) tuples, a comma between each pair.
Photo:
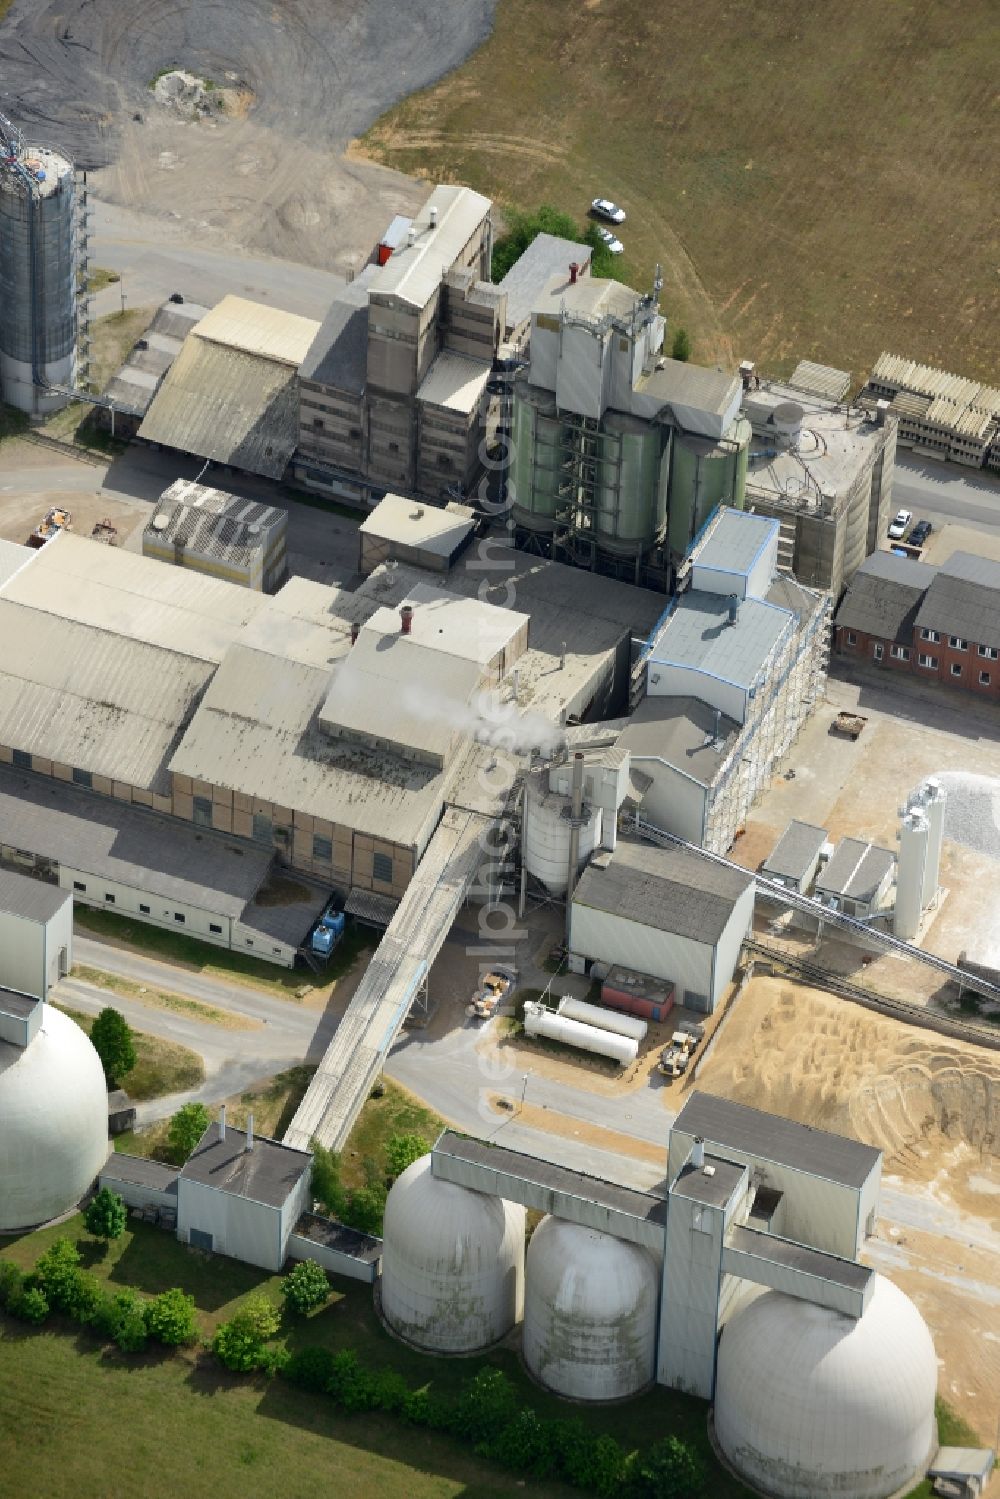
[(546, 257), (856, 870), (338, 355), (796, 850), (884, 596), (268, 1173), (698, 634), (114, 841), (735, 541), (832, 1157), (683, 732), (31, 899), (964, 599), (669, 889)]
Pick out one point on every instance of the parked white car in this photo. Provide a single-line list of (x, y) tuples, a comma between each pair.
[(897, 529), (605, 209), (614, 244)]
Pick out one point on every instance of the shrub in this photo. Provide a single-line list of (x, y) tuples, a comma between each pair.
[(391, 1391), (88, 1297), (11, 1281), (239, 1344), (350, 1384), (364, 1209), (310, 1369), (58, 1275), (305, 1288), (525, 1444), (130, 1330), (186, 1129), (121, 1318), (105, 1216), (487, 1403), (681, 347), (669, 1470), (326, 1183), (401, 1151), (170, 1318), (111, 1037), (29, 1303)]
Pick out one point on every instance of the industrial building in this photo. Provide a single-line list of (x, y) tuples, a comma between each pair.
[(53, 1099), (426, 536), (796, 857), (393, 384), (231, 394), (667, 913), (742, 1277), (940, 415), (823, 469), (941, 623), (220, 534), (857, 878), (549, 260), (130, 391), (43, 273)]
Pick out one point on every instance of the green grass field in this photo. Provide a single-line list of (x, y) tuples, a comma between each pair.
[(817, 182), (161, 1067)]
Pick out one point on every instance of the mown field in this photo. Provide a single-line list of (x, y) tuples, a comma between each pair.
[(817, 181)]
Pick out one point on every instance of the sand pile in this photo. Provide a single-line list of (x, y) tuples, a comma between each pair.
[(826, 1062)]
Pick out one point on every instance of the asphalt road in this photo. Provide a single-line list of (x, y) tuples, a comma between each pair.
[(942, 492)]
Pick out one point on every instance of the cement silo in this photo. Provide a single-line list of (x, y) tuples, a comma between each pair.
[(703, 475), (911, 865), (548, 832), (53, 1120), (931, 801), (630, 487), (811, 1403), (589, 1312), (38, 273), (536, 458), (452, 1263)]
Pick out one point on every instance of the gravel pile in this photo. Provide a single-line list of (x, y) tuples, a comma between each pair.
[(972, 811)]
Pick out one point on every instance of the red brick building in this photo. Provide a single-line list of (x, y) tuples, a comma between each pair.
[(937, 622)]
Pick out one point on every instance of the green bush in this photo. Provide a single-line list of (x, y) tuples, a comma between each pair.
[(121, 1318), (58, 1276), (170, 1318), (525, 1444), (186, 1129), (669, 1470), (11, 1281), (111, 1037), (105, 1217), (351, 1385), (29, 1303), (239, 1344), (310, 1369), (400, 1152), (305, 1288), (485, 1405), (365, 1209), (87, 1298), (681, 346)]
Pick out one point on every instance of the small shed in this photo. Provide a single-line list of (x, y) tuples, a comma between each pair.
[(424, 535), (796, 856), (961, 1472), (141, 1183), (857, 878), (121, 1112)]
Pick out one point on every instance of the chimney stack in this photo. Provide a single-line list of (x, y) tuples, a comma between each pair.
[(433, 217), (249, 1132), (698, 1153), (406, 618), (355, 632), (574, 271), (222, 1122), (734, 608)]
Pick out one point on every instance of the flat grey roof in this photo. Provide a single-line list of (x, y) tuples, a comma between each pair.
[(29, 898), (735, 541), (713, 1184), (18, 1006), (111, 840), (336, 1236), (140, 1172), (338, 355), (698, 634), (884, 596), (683, 732), (556, 1178), (668, 889), (832, 1157), (817, 1262), (796, 850), (856, 869), (286, 907), (268, 1173), (546, 257), (964, 600)]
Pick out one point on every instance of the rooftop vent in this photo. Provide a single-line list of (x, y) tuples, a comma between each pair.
[(734, 609), (406, 618), (411, 235), (574, 271), (433, 218)]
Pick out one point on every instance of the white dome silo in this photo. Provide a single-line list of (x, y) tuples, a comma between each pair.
[(452, 1263), (53, 1122), (809, 1402), (589, 1312)]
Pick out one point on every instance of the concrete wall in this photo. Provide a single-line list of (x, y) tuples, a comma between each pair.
[(136, 1196), (35, 955), (94, 891), (674, 803), (727, 951), (301, 1248), (665, 679), (244, 1230), (607, 938), (692, 1290)]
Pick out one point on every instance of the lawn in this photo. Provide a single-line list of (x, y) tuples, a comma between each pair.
[(194, 1008), (100, 277), (161, 1067), (816, 182), (396, 1112), (188, 952), (272, 1105), (12, 422)]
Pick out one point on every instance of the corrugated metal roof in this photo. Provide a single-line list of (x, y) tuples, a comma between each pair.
[(338, 355), (124, 594), (228, 405), (683, 732), (769, 1138), (856, 870), (455, 382), (413, 273), (987, 399), (964, 600), (796, 850), (892, 369), (211, 523), (820, 380), (94, 700), (255, 328), (697, 634), (31, 899), (669, 889), (129, 845)]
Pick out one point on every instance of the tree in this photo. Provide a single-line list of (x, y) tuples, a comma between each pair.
[(29, 1304), (364, 1209), (400, 1152), (186, 1129), (105, 1216), (326, 1184), (669, 1470), (170, 1318), (305, 1288), (681, 347), (111, 1036), (239, 1344), (57, 1274)]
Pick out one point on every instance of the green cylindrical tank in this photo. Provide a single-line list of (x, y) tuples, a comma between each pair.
[(536, 451), (628, 501), (703, 475)]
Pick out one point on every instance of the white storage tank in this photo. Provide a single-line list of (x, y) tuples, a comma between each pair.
[(914, 838), (547, 835), (810, 1403), (932, 804), (539, 1021), (602, 1017), (452, 1263), (53, 1122), (589, 1312)]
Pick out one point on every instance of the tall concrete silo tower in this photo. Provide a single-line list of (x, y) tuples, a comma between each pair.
[(41, 221)]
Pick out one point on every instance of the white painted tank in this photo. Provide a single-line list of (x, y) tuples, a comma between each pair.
[(53, 1122), (810, 1403), (547, 834), (914, 835), (538, 1021), (589, 1312), (600, 1016), (452, 1263), (932, 804)]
